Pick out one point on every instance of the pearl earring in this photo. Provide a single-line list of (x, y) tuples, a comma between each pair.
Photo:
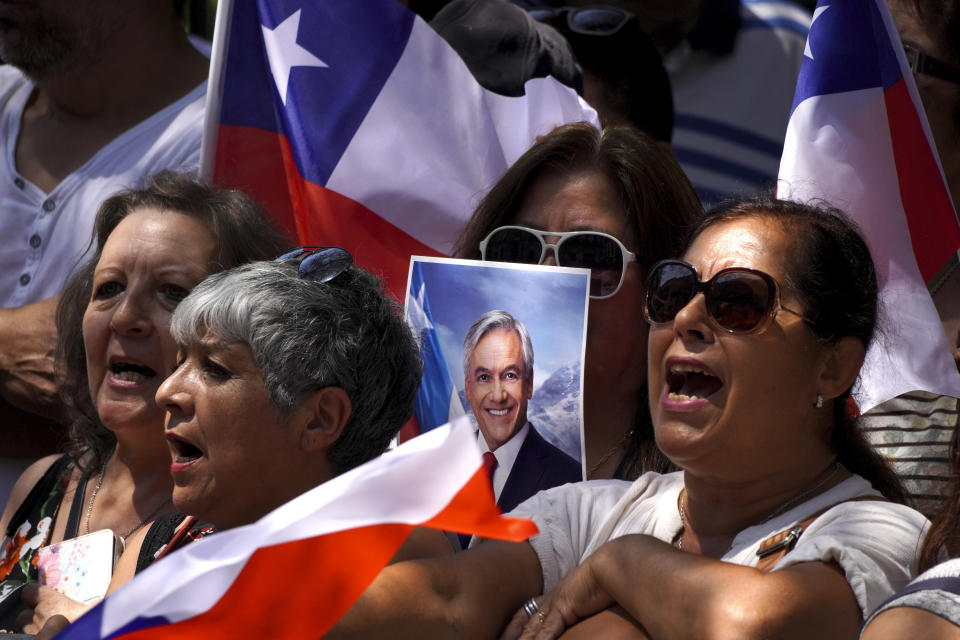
[(819, 403)]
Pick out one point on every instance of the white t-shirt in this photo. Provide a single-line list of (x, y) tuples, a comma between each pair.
[(874, 542), (45, 235)]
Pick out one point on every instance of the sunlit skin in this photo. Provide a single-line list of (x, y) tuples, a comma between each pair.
[(766, 387), (496, 386), (149, 263), (616, 356), (233, 457)]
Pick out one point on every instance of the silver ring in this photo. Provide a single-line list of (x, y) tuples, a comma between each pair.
[(531, 607)]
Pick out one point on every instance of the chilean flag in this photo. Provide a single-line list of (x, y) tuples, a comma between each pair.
[(356, 125), (858, 139), (437, 401), (293, 573)]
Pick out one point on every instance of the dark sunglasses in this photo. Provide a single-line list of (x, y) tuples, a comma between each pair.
[(595, 20), (738, 300), (604, 255), (928, 65), (321, 264)]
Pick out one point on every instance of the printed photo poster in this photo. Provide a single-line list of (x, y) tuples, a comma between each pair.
[(470, 317)]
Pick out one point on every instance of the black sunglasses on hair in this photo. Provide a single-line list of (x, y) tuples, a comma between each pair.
[(594, 20), (321, 264), (738, 300), (604, 255)]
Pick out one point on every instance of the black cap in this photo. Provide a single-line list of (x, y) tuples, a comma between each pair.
[(504, 47)]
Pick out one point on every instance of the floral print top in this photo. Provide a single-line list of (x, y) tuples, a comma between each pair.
[(30, 528)]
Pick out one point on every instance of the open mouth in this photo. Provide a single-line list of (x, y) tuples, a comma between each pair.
[(183, 451), (687, 382), (498, 412), (129, 372)]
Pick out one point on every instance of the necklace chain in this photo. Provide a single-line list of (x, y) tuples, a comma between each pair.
[(93, 496), (783, 508), (626, 437)]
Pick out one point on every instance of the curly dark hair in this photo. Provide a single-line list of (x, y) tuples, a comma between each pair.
[(244, 233)]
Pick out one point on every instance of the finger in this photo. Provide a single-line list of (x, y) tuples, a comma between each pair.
[(552, 626), (541, 626), (24, 621), (52, 627), (515, 628), (30, 594)]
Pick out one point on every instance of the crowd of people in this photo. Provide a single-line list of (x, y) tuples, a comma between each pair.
[(166, 338)]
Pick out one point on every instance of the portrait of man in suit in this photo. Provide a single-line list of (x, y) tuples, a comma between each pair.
[(498, 382)]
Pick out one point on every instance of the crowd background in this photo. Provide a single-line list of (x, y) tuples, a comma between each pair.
[(709, 82)]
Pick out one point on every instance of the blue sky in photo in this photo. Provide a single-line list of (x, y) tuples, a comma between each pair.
[(551, 303)]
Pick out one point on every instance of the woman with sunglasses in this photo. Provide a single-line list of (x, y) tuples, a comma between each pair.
[(613, 202), (782, 523)]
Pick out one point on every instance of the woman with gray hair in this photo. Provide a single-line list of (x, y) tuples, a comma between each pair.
[(299, 369), (289, 373)]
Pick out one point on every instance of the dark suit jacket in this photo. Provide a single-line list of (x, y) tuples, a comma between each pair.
[(539, 465)]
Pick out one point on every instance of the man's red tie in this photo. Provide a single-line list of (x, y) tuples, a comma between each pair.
[(489, 464)]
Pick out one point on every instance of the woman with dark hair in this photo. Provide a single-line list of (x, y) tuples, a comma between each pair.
[(153, 245), (615, 194), (781, 523)]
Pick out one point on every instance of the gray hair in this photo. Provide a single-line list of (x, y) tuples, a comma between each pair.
[(486, 323), (306, 335)]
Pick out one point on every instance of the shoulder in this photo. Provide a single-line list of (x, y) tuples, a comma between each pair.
[(25, 483), (874, 542), (590, 501), (574, 519), (932, 600), (11, 79)]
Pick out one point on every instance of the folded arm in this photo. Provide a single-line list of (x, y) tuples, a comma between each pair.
[(469, 595), (679, 596)]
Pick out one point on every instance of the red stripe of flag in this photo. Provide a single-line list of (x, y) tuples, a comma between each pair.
[(293, 590), (246, 158), (934, 231), (323, 576)]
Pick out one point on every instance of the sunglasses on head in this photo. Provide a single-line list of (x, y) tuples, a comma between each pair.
[(596, 20), (920, 62), (738, 300), (604, 255), (320, 264)]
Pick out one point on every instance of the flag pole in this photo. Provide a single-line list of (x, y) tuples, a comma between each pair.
[(211, 119)]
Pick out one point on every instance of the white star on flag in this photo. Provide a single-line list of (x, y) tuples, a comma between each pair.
[(816, 14), (284, 53)]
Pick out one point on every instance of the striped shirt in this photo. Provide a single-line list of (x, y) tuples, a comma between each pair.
[(732, 110), (913, 432)]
